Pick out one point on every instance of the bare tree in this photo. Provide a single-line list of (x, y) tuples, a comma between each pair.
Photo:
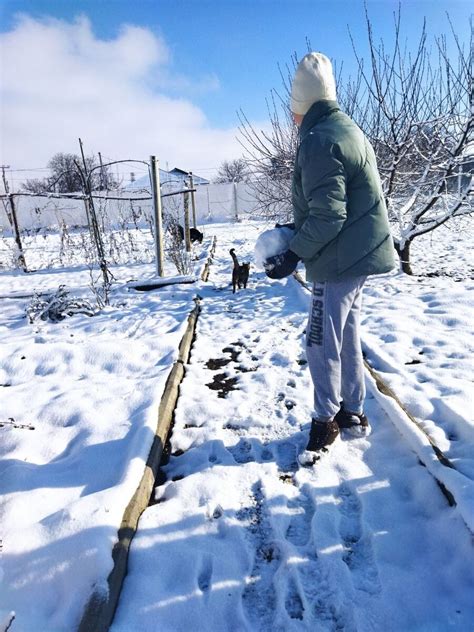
[(270, 156), (232, 171), (418, 112), (65, 177), (270, 153)]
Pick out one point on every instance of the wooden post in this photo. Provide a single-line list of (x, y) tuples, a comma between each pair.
[(93, 217), (102, 179), (97, 236), (187, 236), (155, 186), (92, 214), (193, 201), (88, 219), (21, 262)]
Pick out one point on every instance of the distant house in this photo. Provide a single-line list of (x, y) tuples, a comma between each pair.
[(183, 175), (174, 177)]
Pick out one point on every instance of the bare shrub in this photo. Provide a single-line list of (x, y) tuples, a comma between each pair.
[(57, 306)]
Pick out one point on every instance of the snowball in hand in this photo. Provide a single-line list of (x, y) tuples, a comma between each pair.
[(272, 242)]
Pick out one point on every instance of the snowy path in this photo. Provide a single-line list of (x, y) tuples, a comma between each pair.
[(243, 539)]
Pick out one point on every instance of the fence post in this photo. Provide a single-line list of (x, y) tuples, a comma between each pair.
[(89, 224), (187, 237), (236, 206), (96, 234), (21, 262), (155, 186), (193, 201)]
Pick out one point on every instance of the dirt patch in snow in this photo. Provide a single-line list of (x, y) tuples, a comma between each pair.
[(223, 384)]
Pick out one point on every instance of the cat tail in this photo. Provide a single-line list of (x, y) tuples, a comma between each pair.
[(234, 257)]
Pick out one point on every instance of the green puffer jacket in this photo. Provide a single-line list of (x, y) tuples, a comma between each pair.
[(339, 211)]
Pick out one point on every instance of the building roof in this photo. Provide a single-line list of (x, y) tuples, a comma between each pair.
[(175, 176), (184, 174)]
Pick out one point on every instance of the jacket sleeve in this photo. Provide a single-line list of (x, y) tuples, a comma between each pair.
[(323, 181)]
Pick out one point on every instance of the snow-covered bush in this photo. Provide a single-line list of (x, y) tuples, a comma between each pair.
[(55, 307)]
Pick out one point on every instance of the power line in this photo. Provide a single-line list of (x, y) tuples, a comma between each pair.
[(32, 169), (108, 158)]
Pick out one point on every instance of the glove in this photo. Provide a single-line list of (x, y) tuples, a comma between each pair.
[(282, 265), (290, 226)]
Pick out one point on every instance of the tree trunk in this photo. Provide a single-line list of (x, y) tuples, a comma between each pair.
[(404, 254)]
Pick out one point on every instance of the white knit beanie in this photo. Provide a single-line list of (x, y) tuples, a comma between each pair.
[(313, 81)]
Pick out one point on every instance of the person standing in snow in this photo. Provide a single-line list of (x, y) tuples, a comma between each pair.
[(342, 236)]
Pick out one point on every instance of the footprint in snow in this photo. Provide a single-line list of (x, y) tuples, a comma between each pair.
[(205, 574), (259, 598), (358, 555), (242, 451), (279, 359), (326, 608), (286, 456), (323, 599), (293, 602), (298, 532)]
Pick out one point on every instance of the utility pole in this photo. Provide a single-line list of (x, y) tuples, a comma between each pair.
[(12, 218), (155, 187)]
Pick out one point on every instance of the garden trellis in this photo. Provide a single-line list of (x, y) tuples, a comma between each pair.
[(110, 227)]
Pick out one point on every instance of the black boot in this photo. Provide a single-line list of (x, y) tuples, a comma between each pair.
[(321, 435), (357, 425)]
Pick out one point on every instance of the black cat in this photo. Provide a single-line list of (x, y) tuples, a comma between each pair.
[(240, 272), (194, 233)]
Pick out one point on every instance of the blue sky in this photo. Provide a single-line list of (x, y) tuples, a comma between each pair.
[(219, 56)]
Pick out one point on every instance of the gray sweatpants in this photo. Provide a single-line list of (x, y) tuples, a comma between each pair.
[(333, 347)]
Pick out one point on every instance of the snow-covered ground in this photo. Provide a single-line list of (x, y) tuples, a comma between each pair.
[(418, 334), (240, 538), (90, 389), (243, 539)]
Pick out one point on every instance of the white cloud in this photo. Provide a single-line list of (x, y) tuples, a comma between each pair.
[(60, 82)]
